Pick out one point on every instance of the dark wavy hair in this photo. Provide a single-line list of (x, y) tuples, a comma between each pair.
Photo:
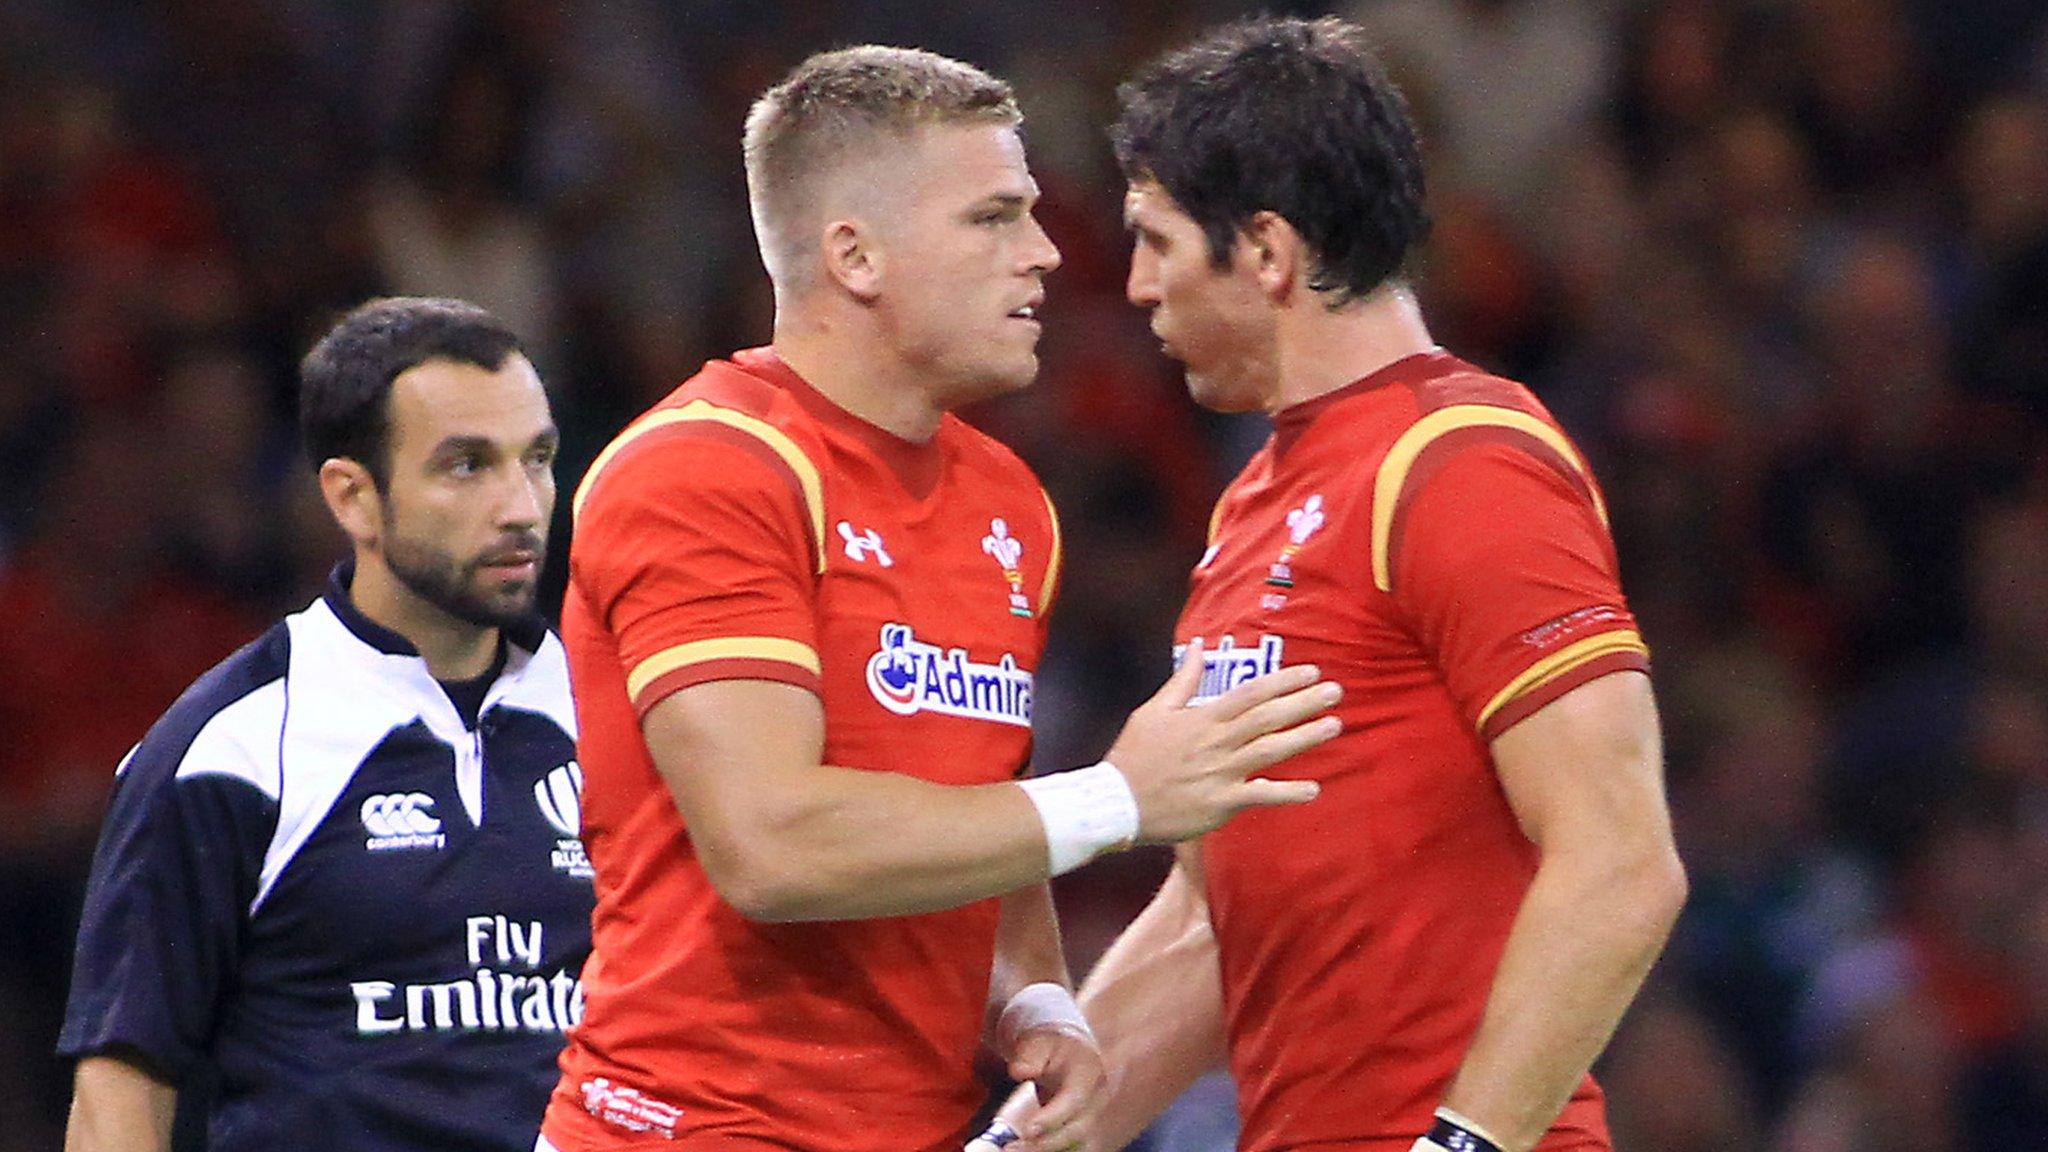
[(1290, 116), (345, 381)]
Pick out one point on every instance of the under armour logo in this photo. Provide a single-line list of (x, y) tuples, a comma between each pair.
[(401, 820), (862, 545)]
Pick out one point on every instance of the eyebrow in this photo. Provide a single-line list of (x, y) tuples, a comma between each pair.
[(450, 444), (1002, 200), (549, 435)]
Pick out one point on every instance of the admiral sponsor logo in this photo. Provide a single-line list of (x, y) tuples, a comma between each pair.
[(908, 676), (400, 820), (486, 1000), (560, 796), (1226, 666), (1550, 634), (629, 1108), (1008, 551)]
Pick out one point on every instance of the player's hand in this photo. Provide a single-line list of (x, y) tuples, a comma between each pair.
[(1067, 1077), (1190, 769)]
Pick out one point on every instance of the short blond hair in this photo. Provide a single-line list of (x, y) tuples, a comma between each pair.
[(832, 108)]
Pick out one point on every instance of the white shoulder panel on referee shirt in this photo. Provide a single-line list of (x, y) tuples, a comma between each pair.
[(334, 718), (241, 740), (538, 682)]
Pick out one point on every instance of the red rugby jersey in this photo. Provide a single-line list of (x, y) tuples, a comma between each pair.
[(748, 528), (1429, 538)]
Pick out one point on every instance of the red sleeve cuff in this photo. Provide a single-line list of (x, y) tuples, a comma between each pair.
[(662, 687), (1557, 673), (723, 658)]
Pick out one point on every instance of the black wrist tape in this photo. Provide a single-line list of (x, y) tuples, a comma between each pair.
[(1456, 1137)]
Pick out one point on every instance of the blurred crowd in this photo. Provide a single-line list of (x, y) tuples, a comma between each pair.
[(1781, 266)]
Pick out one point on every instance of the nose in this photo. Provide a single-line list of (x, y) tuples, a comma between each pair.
[(1045, 255), (528, 499), (1141, 287)]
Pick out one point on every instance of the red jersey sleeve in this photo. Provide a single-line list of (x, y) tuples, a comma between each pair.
[(1500, 557), (694, 550)]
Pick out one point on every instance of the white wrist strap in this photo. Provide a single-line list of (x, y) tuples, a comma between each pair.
[(996, 1137), (1036, 1006), (1086, 812)]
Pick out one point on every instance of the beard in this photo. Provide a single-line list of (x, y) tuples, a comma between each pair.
[(457, 586)]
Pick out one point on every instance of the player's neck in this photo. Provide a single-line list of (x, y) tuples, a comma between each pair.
[(453, 648), (860, 374), (1320, 351)]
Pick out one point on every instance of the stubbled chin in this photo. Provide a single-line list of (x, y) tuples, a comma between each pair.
[(1216, 395), (1013, 379)]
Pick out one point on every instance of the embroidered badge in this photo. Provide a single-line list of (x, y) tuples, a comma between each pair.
[(1302, 523), (1007, 551)]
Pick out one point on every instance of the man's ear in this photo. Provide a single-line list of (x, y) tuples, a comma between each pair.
[(352, 496), (1277, 254), (853, 258)]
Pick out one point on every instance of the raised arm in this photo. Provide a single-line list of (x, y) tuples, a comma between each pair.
[(699, 554), (784, 836)]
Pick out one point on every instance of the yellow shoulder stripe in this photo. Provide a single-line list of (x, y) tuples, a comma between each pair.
[(703, 410), (1393, 473), (1560, 662), (776, 648), (1052, 560)]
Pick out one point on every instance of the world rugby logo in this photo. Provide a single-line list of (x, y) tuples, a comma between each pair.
[(908, 676), (560, 796)]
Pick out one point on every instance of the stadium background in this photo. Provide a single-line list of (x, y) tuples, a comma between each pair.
[(1780, 265)]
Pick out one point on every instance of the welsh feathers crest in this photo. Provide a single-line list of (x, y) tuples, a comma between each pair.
[(1303, 522)]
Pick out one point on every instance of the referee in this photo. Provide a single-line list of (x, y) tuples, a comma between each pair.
[(343, 870)]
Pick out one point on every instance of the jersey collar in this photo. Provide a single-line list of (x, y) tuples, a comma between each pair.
[(1290, 423), (364, 661), (917, 465)]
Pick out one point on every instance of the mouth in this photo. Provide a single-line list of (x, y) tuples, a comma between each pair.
[(1027, 312), (512, 564)]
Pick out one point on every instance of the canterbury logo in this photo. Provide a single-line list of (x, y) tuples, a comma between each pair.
[(560, 796), (400, 816)]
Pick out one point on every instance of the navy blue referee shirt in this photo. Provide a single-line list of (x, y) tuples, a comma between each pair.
[(365, 910)]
